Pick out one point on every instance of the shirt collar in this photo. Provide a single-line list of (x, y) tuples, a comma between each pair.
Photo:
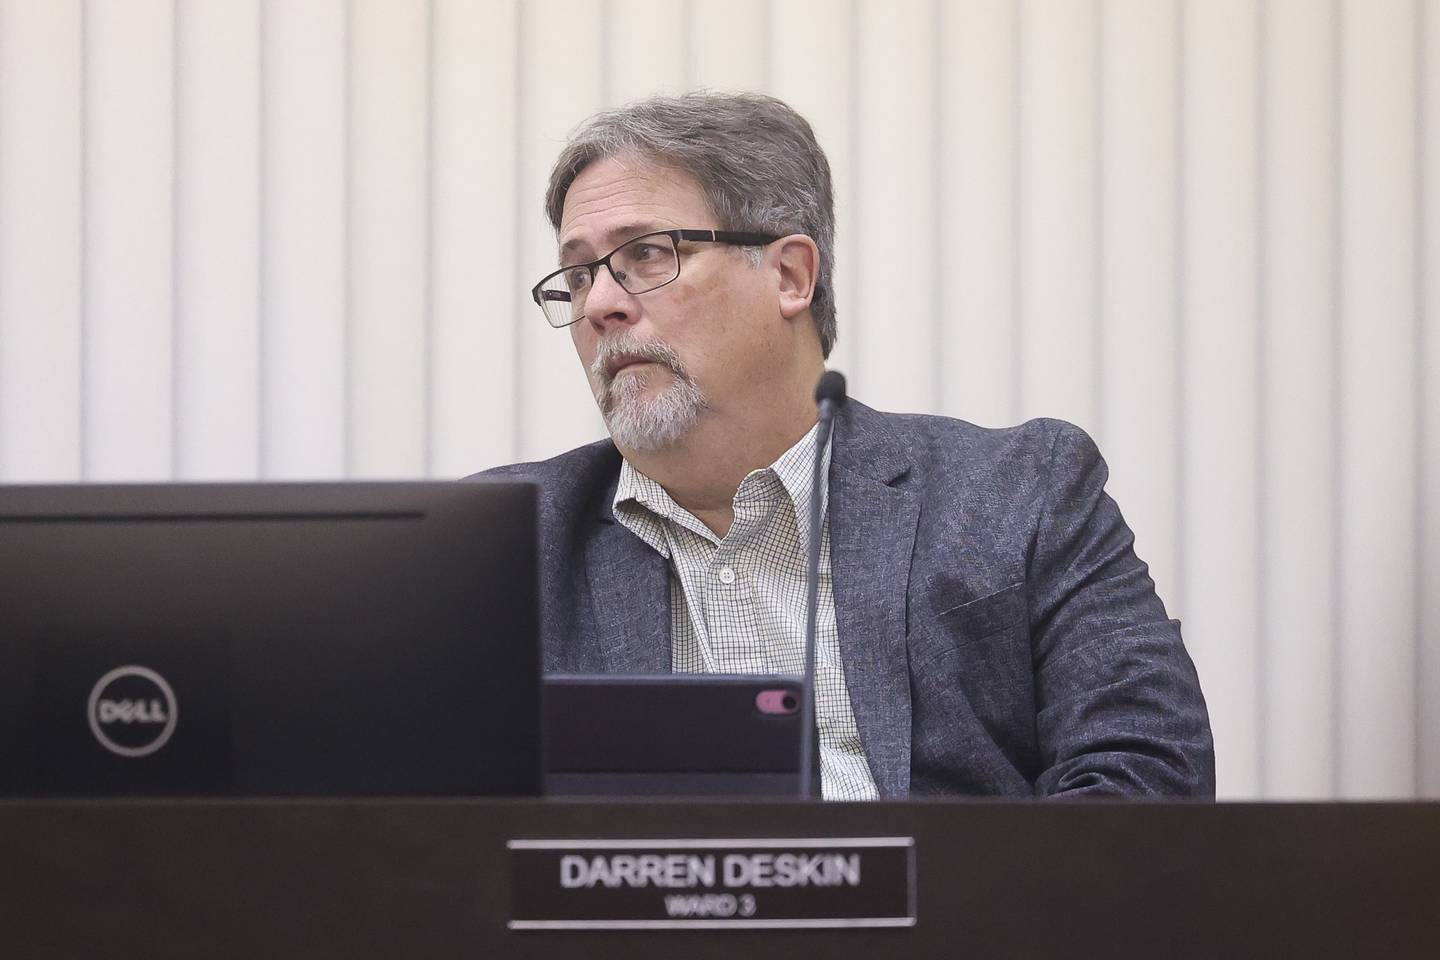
[(639, 501), (641, 505), (794, 471)]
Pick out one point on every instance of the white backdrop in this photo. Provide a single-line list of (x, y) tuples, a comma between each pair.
[(293, 239)]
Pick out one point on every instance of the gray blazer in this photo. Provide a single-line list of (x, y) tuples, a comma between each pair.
[(998, 633)]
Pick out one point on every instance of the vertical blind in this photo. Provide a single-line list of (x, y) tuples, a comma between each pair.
[(294, 238)]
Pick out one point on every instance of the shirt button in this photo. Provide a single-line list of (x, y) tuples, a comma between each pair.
[(727, 576)]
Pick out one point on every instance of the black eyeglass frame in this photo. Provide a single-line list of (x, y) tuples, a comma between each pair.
[(732, 237)]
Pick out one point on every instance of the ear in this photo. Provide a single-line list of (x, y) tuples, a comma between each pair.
[(797, 260)]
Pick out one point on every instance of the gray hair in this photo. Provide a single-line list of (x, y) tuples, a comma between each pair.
[(755, 158)]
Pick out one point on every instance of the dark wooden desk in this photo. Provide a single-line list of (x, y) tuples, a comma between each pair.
[(111, 879)]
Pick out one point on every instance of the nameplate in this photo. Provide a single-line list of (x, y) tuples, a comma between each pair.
[(691, 884)]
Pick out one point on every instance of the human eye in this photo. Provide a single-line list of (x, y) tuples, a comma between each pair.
[(577, 278)]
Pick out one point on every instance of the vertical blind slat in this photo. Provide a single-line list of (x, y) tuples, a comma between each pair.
[(303, 239), (388, 238), (474, 294), (40, 241), (1378, 417), (217, 308), (1429, 359), (1139, 414), (645, 49), (1220, 377), (727, 44), (129, 241), (1298, 367), (894, 320), (975, 298), (1057, 211)]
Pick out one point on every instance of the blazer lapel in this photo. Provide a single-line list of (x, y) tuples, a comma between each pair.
[(872, 537), (630, 589)]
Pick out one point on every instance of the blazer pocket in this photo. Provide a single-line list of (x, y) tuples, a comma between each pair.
[(983, 616)]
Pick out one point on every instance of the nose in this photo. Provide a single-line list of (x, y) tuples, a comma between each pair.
[(607, 302)]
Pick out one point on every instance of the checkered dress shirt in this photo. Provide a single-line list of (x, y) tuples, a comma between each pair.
[(737, 604)]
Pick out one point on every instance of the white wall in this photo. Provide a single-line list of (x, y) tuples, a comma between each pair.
[(293, 239)]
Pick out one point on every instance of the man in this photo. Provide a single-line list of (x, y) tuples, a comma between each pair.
[(984, 625)]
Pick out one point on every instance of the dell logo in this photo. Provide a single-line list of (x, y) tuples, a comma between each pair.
[(132, 711)]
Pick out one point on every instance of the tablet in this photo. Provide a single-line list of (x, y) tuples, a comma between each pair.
[(672, 735)]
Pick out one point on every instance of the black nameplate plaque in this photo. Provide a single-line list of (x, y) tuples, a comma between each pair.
[(712, 884)]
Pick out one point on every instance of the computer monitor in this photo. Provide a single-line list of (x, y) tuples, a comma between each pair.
[(269, 639)]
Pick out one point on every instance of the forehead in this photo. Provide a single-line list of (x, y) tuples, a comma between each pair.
[(616, 198)]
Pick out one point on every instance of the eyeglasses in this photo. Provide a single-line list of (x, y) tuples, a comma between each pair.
[(639, 266)]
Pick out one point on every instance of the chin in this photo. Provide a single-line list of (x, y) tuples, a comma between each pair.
[(633, 385), (644, 420)]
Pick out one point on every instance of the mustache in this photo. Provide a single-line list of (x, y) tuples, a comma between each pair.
[(626, 344)]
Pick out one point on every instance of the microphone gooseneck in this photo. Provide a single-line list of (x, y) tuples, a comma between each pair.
[(829, 398)]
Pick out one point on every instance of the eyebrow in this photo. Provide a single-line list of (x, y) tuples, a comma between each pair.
[(614, 236)]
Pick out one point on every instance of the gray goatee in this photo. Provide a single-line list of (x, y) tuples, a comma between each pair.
[(638, 421)]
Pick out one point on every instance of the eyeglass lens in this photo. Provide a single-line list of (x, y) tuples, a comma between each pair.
[(640, 265)]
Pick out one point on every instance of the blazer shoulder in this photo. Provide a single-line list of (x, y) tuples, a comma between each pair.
[(569, 481), (938, 445), (571, 463)]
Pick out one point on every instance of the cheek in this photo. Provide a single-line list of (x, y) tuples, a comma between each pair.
[(712, 320), (735, 336)]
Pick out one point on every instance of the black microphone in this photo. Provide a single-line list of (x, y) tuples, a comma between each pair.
[(829, 397)]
